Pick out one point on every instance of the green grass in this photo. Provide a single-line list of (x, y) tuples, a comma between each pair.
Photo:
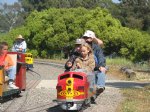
[(136, 100), (122, 62), (118, 62)]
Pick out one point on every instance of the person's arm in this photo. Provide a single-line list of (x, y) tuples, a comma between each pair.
[(8, 62), (70, 62), (101, 62), (15, 49), (74, 64), (24, 46), (98, 41)]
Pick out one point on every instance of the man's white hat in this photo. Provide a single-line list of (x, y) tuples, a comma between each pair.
[(19, 37), (89, 33)]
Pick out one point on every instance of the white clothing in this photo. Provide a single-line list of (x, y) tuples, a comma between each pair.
[(19, 45)]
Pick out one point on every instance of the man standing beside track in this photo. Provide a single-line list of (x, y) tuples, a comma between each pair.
[(19, 45)]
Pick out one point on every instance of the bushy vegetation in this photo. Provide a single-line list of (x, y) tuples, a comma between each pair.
[(134, 14), (54, 29)]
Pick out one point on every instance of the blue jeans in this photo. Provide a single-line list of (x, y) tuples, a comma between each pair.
[(100, 79), (11, 72)]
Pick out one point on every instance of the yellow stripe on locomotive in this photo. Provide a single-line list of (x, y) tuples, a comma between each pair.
[(29, 60), (69, 93)]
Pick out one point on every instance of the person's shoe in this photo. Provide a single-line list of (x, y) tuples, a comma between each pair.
[(93, 100), (13, 86), (100, 89)]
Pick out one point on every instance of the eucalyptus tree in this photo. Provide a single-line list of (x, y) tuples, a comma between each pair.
[(135, 14), (10, 16)]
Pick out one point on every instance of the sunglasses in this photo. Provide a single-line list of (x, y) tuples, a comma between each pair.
[(86, 37)]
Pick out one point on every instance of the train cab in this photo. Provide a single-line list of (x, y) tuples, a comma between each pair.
[(29, 60)]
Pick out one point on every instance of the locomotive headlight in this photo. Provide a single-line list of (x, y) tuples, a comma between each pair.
[(69, 89), (69, 82)]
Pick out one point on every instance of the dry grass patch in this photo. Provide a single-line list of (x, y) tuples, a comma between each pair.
[(115, 72), (143, 76), (136, 100)]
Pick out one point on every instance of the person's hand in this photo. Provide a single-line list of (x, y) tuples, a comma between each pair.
[(20, 49), (69, 64), (6, 68), (102, 69), (78, 65)]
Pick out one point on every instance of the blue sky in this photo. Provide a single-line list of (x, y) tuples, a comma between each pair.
[(115, 1), (8, 1), (12, 1)]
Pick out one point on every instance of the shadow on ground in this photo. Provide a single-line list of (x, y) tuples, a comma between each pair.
[(54, 109), (126, 84)]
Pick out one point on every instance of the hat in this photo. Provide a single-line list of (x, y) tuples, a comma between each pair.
[(80, 41), (89, 33), (19, 37)]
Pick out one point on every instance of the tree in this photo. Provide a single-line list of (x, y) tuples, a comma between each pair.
[(50, 31), (39, 5), (10, 16), (134, 14)]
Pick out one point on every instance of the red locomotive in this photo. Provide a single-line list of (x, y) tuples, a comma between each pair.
[(75, 90)]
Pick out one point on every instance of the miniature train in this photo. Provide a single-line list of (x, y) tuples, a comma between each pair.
[(29, 60), (20, 81), (75, 90)]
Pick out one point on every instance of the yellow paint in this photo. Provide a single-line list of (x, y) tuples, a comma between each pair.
[(28, 58), (71, 93), (1, 81)]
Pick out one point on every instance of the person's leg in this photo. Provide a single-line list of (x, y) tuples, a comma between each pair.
[(101, 79), (11, 72), (100, 82)]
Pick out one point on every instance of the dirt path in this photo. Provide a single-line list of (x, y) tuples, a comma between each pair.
[(41, 99)]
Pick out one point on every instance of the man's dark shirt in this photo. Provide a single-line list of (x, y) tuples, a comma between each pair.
[(72, 58)]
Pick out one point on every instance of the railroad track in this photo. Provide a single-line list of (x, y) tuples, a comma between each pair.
[(30, 85), (50, 64)]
